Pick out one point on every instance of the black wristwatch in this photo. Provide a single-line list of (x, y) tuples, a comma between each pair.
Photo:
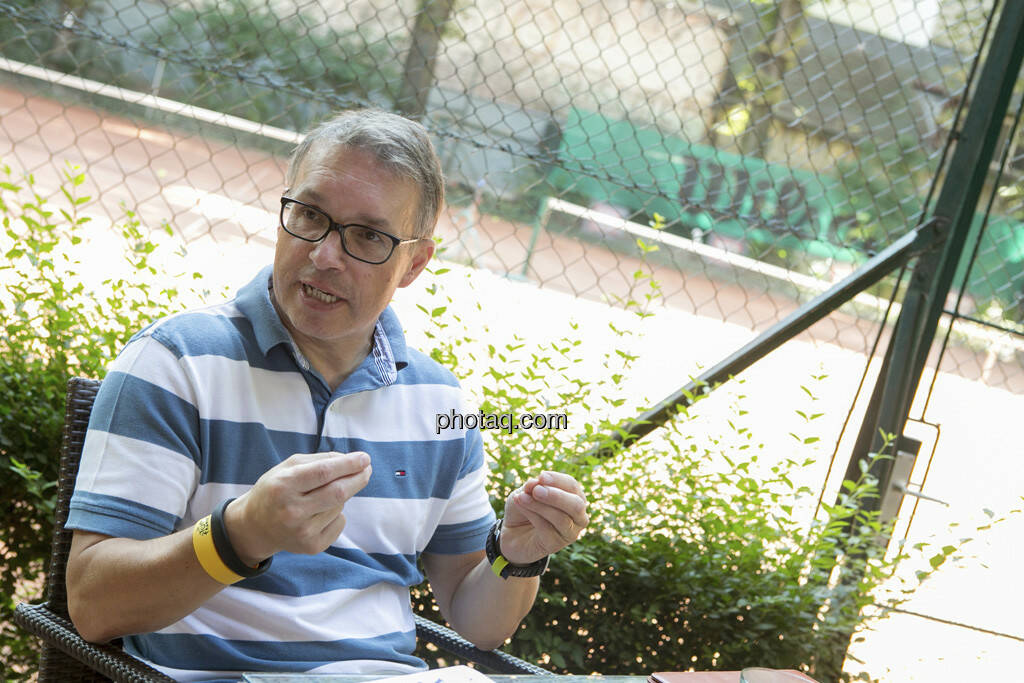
[(227, 551), (502, 567)]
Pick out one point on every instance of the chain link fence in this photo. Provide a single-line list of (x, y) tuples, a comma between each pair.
[(781, 143), (745, 155)]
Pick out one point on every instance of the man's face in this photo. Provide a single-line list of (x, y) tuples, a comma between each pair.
[(328, 300)]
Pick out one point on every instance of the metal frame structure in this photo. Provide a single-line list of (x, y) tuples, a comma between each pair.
[(935, 247), (932, 277)]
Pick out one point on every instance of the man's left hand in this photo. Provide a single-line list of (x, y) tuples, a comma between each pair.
[(543, 516)]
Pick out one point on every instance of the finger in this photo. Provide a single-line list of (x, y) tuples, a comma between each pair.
[(528, 486), (572, 505), (552, 531), (562, 481), (555, 479), (317, 469), (553, 521), (332, 526), (317, 533), (334, 494)]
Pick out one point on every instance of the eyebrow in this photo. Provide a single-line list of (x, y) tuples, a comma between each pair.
[(315, 198)]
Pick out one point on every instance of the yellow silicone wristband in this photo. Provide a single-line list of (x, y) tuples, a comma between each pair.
[(209, 558), (498, 565)]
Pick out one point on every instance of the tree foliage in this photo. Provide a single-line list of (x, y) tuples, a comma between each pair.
[(264, 66)]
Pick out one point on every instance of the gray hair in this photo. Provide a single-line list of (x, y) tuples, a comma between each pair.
[(400, 145)]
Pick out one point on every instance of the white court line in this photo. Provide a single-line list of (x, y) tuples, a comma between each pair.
[(160, 103), (990, 338)]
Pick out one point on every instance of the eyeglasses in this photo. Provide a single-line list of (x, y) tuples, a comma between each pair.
[(361, 242)]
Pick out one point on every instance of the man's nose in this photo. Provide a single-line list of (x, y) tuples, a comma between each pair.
[(328, 252)]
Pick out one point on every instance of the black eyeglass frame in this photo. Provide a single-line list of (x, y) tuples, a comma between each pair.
[(341, 227)]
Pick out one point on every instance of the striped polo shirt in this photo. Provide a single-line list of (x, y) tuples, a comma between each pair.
[(200, 404)]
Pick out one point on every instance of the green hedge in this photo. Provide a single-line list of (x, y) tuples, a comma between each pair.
[(702, 551), (55, 326)]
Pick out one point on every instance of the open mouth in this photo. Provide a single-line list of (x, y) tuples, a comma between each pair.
[(319, 294)]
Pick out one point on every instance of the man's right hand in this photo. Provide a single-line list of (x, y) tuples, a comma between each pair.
[(296, 506)]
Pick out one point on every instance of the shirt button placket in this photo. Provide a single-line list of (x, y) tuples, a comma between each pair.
[(333, 422)]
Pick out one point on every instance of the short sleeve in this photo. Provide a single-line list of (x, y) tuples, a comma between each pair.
[(141, 455), (468, 514)]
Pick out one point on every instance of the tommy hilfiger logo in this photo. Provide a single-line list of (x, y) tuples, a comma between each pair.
[(399, 473)]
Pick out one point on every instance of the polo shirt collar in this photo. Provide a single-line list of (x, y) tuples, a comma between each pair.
[(253, 301), (389, 352), (391, 339)]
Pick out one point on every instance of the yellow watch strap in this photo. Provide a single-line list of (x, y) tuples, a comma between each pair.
[(498, 565)]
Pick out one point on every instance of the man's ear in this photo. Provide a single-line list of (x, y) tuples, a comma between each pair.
[(424, 250)]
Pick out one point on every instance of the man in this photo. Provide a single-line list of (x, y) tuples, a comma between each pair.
[(259, 478)]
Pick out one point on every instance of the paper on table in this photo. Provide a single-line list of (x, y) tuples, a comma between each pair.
[(449, 674)]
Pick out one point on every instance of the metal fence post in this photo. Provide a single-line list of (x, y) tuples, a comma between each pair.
[(933, 273), (932, 276)]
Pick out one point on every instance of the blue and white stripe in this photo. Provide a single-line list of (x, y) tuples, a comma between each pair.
[(200, 404)]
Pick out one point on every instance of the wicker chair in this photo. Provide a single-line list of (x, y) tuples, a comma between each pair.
[(66, 656)]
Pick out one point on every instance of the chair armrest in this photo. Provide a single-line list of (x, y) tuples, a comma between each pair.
[(118, 665), (85, 658), (495, 661)]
